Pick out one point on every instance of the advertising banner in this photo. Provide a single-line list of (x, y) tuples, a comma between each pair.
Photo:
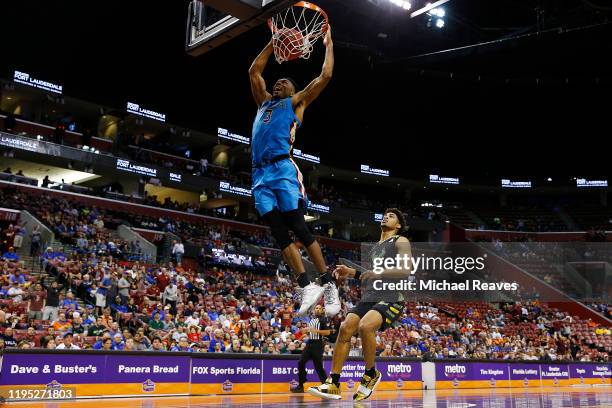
[(472, 375), (124, 374), (590, 373), (226, 376)]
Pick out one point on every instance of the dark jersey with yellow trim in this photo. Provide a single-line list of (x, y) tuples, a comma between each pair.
[(384, 249)]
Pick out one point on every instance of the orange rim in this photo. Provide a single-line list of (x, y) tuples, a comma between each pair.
[(311, 6)]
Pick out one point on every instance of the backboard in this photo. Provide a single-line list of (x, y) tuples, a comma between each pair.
[(211, 23)]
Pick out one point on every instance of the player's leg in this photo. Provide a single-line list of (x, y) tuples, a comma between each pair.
[(330, 389), (296, 223), (267, 206), (330, 295), (348, 329), (289, 250), (368, 326), (382, 315), (290, 195)]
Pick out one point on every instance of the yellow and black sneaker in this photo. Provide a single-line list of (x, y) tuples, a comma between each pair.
[(327, 390), (367, 386)]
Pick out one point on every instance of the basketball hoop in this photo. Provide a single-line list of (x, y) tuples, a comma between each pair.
[(296, 30)]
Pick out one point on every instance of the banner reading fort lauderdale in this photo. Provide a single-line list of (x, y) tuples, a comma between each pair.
[(474, 271)]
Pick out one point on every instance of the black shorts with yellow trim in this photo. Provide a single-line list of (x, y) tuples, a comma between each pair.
[(390, 311)]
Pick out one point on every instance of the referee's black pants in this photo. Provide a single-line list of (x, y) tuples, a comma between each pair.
[(313, 351)]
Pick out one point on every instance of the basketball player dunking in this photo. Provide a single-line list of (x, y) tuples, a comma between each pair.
[(369, 317), (280, 197)]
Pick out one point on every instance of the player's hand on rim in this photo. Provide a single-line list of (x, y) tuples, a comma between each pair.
[(327, 41)]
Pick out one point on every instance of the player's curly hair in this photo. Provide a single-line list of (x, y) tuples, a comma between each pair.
[(400, 216)]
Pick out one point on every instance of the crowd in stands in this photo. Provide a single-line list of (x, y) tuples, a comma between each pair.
[(91, 301), (603, 308), (96, 300), (74, 223), (91, 296)]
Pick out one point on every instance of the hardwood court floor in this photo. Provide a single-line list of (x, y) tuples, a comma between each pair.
[(557, 397)]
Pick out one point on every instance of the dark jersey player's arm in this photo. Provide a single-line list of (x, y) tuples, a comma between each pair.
[(258, 84), (305, 97)]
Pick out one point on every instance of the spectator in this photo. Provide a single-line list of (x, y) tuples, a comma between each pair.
[(193, 320), (216, 343), (32, 338), (69, 302), (20, 231), (117, 306), (50, 311), (8, 339), (178, 250), (183, 345), (61, 324), (118, 343), (170, 296), (36, 302), (17, 277), (102, 291), (129, 345), (107, 344), (67, 344), (96, 329), (35, 237), (10, 255), (235, 348), (15, 293), (124, 288), (157, 345), (156, 323)]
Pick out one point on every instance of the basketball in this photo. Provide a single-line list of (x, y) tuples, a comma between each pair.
[(290, 43)]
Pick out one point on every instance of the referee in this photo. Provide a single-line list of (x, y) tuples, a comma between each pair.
[(317, 328)]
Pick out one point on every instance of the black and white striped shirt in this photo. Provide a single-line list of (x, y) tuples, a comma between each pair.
[(317, 324)]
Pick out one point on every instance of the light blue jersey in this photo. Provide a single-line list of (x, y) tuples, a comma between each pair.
[(276, 184), (273, 130)]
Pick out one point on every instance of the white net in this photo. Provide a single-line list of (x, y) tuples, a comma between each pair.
[(296, 30)]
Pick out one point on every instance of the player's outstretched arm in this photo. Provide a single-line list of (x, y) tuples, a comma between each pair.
[(258, 84), (314, 89)]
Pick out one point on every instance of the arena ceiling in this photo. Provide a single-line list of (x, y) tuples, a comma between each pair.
[(505, 85)]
